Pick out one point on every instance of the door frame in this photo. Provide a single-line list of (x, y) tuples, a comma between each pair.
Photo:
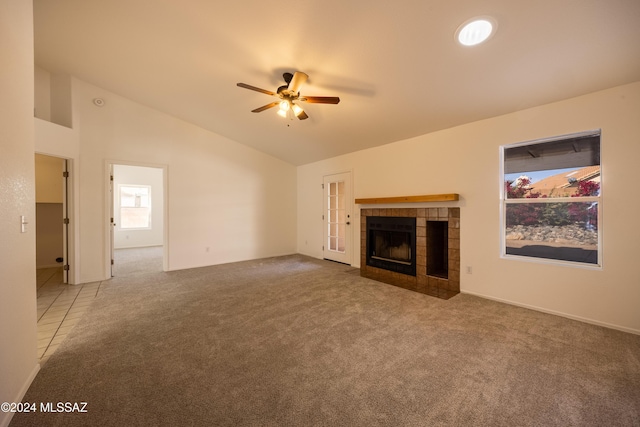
[(108, 211), (349, 208), (66, 219), (112, 224)]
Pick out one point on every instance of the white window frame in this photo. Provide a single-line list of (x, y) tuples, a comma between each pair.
[(504, 202), (120, 207)]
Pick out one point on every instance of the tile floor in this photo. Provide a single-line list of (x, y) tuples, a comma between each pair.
[(60, 307)]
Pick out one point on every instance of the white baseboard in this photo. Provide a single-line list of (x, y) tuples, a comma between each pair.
[(5, 417), (134, 246), (557, 313)]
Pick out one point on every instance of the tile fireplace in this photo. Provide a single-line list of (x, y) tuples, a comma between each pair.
[(413, 248)]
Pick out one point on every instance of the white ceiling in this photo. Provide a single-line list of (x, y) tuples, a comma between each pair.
[(395, 65)]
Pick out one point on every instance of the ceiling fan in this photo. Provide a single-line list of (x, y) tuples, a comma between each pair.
[(289, 95)]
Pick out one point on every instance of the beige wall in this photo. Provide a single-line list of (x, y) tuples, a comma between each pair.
[(225, 202), (48, 179), (53, 97), (49, 234), (466, 160), (18, 352), (42, 81)]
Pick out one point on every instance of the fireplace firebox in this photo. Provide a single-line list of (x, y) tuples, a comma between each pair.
[(392, 244)]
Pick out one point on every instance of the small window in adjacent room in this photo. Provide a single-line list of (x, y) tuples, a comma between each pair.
[(135, 206), (552, 199)]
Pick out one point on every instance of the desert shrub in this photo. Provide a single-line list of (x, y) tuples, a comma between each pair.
[(554, 214)]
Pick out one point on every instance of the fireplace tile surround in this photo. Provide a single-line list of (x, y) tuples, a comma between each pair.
[(444, 288)]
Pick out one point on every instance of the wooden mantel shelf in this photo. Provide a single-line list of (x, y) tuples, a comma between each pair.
[(452, 197)]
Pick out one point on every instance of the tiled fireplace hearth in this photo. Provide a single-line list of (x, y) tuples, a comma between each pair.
[(385, 254)]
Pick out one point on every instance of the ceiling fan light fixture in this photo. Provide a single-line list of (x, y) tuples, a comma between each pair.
[(297, 110), (282, 113), (476, 31), (284, 106)]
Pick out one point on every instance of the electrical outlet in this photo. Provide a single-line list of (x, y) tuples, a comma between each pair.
[(469, 269), (206, 249)]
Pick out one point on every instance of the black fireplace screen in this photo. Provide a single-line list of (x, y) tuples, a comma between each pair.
[(391, 244)]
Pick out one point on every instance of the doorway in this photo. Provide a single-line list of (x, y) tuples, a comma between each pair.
[(52, 219), (137, 219), (337, 210)]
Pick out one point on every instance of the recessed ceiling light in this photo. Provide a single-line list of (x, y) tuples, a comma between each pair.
[(476, 31)]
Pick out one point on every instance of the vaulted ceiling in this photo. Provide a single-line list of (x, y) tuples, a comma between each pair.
[(395, 65)]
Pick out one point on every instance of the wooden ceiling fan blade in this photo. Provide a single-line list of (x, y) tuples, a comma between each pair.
[(297, 80), (257, 89), (303, 116), (320, 99), (265, 107)]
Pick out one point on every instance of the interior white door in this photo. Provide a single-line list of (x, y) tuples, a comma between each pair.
[(337, 217)]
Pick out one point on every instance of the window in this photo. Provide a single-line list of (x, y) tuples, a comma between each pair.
[(337, 216), (135, 206), (551, 199)]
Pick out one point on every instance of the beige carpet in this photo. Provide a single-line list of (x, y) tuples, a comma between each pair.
[(130, 261), (294, 341)]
